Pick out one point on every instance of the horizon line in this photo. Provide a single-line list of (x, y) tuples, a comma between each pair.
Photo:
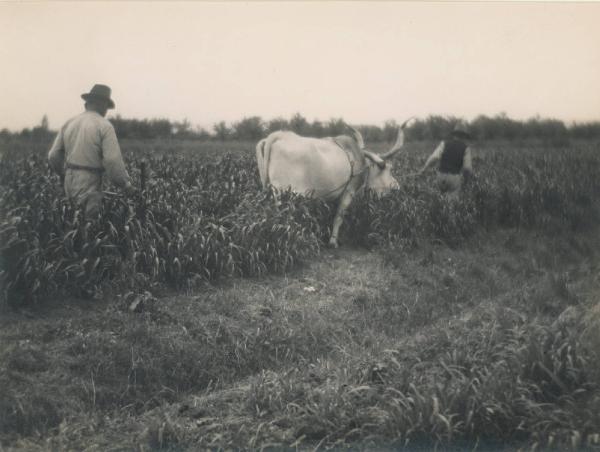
[(201, 126)]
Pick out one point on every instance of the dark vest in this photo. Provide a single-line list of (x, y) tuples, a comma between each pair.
[(452, 156)]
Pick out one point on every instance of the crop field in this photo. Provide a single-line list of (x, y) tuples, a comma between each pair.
[(201, 313)]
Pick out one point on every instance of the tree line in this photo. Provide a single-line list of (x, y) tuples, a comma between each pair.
[(433, 127), (253, 128)]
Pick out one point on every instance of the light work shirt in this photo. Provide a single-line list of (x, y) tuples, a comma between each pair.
[(437, 155), (89, 140)]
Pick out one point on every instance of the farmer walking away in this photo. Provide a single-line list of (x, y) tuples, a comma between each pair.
[(86, 147), (455, 162)]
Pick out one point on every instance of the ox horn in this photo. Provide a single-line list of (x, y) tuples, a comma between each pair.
[(374, 158), (399, 141), (358, 137)]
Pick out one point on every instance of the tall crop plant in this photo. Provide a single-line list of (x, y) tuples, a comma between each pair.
[(206, 220), (536, 188), (198, 221)]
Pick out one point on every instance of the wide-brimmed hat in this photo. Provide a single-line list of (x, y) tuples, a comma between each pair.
[(99, 92), (461, 134)]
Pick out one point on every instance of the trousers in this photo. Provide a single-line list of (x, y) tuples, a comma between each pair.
[(449, 184), (85, 189)]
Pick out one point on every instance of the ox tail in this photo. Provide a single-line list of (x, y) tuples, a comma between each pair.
[(260, 160), (263, 157)]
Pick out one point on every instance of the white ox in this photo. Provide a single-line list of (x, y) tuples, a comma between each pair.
[(326, 168)]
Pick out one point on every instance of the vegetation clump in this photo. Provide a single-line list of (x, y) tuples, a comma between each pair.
[(199, 221), (469, 326)]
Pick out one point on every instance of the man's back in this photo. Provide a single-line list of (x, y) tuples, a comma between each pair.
[(88, 142), (452, 157), (83, 138)]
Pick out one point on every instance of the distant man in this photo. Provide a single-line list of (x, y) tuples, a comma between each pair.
[(455, 162), (86, 147)]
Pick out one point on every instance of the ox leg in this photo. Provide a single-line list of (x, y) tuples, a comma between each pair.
[(276, 195), (339, 217)]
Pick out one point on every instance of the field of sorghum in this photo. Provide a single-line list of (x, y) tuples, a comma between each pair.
[(457, 343), (200, 218)]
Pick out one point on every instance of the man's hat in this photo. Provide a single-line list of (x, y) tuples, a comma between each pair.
[(461, 134), (99, 92)]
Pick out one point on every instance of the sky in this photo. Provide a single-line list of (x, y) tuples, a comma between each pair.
[(366, 62)]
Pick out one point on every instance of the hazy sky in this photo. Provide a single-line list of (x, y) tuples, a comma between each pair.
[(363, 61)]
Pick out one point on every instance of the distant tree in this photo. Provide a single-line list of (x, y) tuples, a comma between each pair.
[(277, 124), (336, 126), (585, 130), (390, 130), (25, 133), (161, 128), (456, 123), (504, 127), (317, 129), (438, 127), (222, 132), (417, 130), (142, 128), (249, 128), (482, 126), (546, 128), (5, 136), (182, 129), (371, 134), (299, 124), (201, 133), (41, 132)]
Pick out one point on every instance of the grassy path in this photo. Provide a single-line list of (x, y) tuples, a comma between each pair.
[(300, 359)]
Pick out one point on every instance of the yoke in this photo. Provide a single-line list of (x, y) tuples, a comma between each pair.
[(351, 161)]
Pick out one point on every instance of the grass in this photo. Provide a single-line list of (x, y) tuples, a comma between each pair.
[(199, 219), (453, 327), (367, 350)]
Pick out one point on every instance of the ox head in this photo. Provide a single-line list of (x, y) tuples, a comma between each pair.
[(380, 177)]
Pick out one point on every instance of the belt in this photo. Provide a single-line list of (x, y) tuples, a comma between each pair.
[(84, 168)]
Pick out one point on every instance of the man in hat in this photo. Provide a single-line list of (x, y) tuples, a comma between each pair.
[(455, 162), (85, 148)]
